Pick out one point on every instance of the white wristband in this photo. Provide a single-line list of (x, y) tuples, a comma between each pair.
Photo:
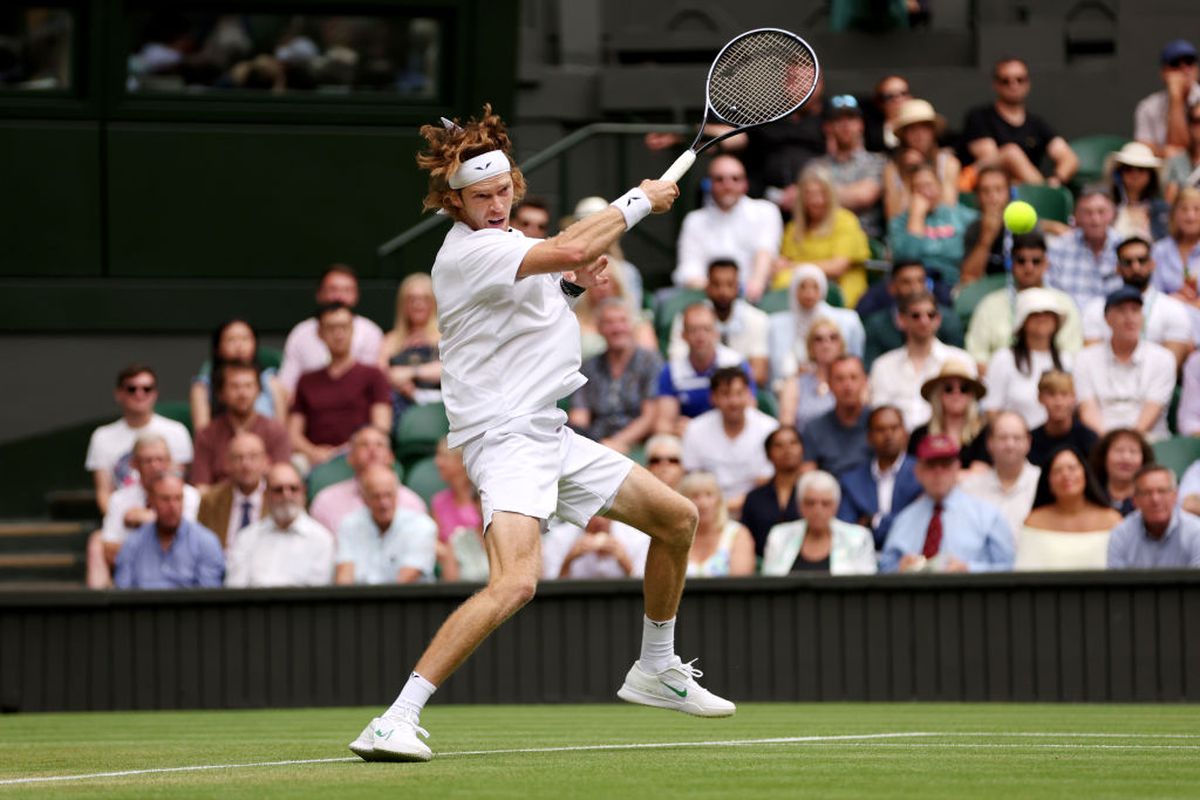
[(633, 205)]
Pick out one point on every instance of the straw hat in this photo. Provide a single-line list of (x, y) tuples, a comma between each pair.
[(914, 111), (954, 369), (1035, 300), (1136, 154)]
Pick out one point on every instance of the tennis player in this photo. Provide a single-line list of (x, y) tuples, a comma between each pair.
[(510, 351)]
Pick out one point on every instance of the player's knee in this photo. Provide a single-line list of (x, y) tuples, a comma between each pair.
[(515, 591), (682, 527)]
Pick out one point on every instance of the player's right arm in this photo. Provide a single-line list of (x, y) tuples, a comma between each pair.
[(587, 240)]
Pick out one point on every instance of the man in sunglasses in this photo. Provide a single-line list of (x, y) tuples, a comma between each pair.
[(1160, 119), (992, 321), (110, 450), (1167, 320), (1007, 134)]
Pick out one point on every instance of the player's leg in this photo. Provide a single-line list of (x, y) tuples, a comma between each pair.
[(659, 677), (515, 563)]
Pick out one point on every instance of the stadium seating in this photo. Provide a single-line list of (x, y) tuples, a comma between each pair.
[(1050, 202), (1178, 453), (336, 470), (178, 410), (419, 430), (666, 311), (969, 297), (1093, 151), (424, 479)]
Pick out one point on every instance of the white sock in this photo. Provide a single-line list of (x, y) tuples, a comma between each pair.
[(658, 644), (412, 699)]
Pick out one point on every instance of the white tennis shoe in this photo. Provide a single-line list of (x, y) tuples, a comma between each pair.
[(387, 739), (674, 688)]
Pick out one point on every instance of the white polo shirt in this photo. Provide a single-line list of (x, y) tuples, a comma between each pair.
[(266, 555), (740, 234), (896, 381), (740, 463), (410, 541), (509, 346), (1121, 389), (1015, 502)]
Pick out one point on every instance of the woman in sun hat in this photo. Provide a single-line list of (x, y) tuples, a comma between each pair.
[(1137, 192), (917, 126), (953, 395)]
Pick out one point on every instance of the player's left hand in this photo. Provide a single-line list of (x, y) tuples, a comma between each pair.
[(590, 276)]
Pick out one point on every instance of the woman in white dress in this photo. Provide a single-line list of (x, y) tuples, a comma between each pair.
[(1013, 372), (1071, 520), (819, 542), (722, 548)]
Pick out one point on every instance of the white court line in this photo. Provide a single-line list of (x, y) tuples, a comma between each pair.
[(841, 739)]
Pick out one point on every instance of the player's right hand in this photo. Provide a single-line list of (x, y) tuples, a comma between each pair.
[(661, 195)]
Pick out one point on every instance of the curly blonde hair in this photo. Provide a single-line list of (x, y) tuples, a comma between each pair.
[(448, 148)]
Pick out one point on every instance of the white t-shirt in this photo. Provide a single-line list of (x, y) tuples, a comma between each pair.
[(131, 497), (739, 464), (509, 346), (1122, 389), (1010, 390), (266, 555), (1166, 319), (111, 446), (740, 233)]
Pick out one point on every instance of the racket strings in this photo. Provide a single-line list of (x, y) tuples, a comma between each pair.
[(760, 78)]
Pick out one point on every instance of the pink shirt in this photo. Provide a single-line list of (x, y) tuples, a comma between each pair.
[(304, 351), (450, 516), (337, 500)]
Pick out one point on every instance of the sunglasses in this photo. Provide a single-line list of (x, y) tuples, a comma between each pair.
[(139, 388), (1182, 61), (1029, 259), (953, 388), (293, 488), (922, 314), (827, 337), (1131, 260), (1012, 80), (661, 459), (844, 101)]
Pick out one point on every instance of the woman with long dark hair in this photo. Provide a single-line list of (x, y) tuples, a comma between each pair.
[(1137, 192), (234, 340), (1013, 372), (1071, 519), (1115, 459)]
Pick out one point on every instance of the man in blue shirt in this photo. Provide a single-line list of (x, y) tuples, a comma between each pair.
[(946, 529), (836, 441), (383, 543), (1158, 535), (170, 552)]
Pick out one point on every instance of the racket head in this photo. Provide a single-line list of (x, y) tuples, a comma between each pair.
[(761, 76)]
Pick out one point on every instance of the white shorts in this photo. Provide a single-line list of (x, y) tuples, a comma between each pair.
[(535, 465)]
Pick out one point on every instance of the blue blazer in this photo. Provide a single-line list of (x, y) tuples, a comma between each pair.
[(860, 498)]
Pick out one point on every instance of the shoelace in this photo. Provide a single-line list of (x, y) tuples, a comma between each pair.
[(407, 720), (690, 670)]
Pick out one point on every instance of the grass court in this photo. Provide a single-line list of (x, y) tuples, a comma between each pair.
[(527, 752)]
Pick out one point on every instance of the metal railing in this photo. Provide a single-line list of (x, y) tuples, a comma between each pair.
[(537, 160)]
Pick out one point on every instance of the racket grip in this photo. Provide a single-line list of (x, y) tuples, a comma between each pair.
[(680, 167)]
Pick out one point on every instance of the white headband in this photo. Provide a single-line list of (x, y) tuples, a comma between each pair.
[(480, 168)]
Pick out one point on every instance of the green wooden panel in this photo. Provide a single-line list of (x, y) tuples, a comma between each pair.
[(256, 201), (50, 206)]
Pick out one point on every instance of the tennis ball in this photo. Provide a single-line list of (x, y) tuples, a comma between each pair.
[(1019, 217)]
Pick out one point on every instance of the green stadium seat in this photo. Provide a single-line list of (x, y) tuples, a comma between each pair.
[(1093, 152), (419, 430), (1050, 202), (834, 296), (336, 470), (775, 301), (667, 310), (968, 200), (767, 402), (269, 357), (424, 479), (178, 410), (1178, 453), (972, 293)]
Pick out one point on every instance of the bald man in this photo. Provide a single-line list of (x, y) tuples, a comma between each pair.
[(383, 543), (170, 552)]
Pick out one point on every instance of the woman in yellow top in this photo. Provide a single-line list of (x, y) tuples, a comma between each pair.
[(825, 234)]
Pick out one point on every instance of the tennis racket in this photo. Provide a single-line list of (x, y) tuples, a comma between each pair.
[(759, 77)]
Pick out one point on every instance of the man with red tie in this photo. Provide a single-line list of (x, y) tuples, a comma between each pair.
[(946, 529)]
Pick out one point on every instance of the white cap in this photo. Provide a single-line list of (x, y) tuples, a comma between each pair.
[(1034, 301)]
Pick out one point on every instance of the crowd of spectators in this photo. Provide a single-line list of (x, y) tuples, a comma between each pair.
[(826, 411)]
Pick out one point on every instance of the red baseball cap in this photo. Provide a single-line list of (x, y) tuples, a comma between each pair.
[(936, 446)]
